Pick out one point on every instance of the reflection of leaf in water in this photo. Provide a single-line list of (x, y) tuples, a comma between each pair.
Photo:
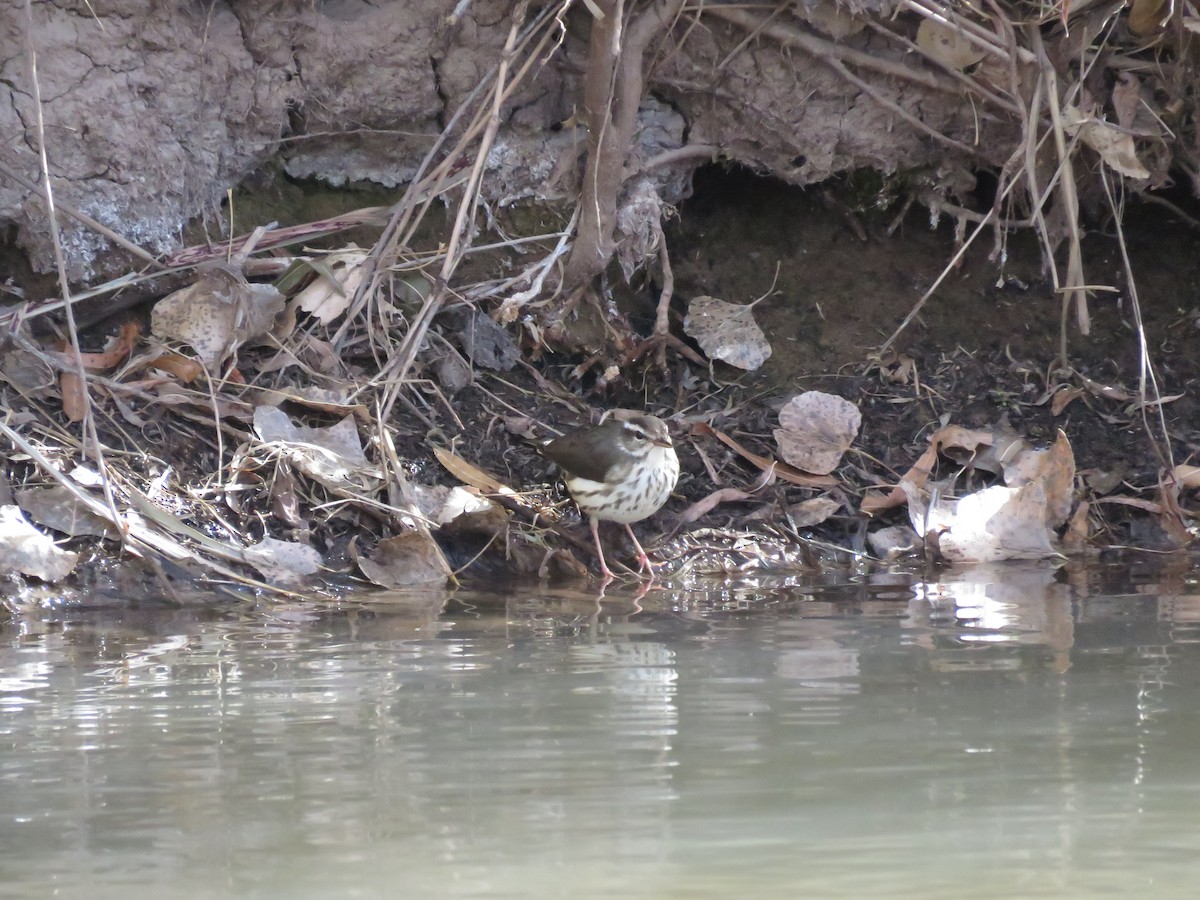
[(727, 331)]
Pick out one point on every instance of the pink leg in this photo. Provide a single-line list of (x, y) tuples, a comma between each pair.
[(644, 564), (600, 550)]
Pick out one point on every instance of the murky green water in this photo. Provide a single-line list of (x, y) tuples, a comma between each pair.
[(1003, 732)]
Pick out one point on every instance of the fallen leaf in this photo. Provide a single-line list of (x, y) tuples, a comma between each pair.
[(894, 541), (1187, 477), (26, 371), (74, 396), (216, 314), (949, 436), (816, 429), (185, 369), (333, 455), (59, 508), (339, 275), (1011, 521), (26, 550), (947, 44), (406, 559), (1054, 469), (458, 510), (728, 332), (781, 470), (1116, 148), (468, 473), (1126, 97), (487, 344), (283, 561), (1147, 16), (986, 526), (808, 513)]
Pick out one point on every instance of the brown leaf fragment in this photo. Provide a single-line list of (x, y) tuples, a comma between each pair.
[(285, 500), (1126, 97), (469, 473), (185, 369), (812, 512), (947, 44), (1054, 469), (409, 558), (74, 396)]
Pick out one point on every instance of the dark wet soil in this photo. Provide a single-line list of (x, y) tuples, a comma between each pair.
[(983, 349)]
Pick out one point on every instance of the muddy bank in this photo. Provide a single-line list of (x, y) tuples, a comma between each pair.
[(859, 301)]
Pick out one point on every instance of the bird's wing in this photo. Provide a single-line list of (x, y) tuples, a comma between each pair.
[(582, 455)]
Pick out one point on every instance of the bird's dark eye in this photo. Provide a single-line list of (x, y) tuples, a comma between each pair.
[(638, 436)]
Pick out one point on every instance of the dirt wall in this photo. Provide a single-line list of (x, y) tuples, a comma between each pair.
[(154, 109)]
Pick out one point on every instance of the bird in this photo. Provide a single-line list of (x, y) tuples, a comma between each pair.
[(621, 470)]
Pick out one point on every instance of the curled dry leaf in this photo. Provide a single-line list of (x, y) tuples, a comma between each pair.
[(816, 429), (26, 550), (338, 277), (992, 524), (1115, 148), (947, 437), (728, 332), (217, 314), (1013, 521), (332, 456), (1054, 469)]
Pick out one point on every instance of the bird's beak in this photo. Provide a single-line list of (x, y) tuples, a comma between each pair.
[(666, 443)]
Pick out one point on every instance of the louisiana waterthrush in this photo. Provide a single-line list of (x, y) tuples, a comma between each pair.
[(621, 470)]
